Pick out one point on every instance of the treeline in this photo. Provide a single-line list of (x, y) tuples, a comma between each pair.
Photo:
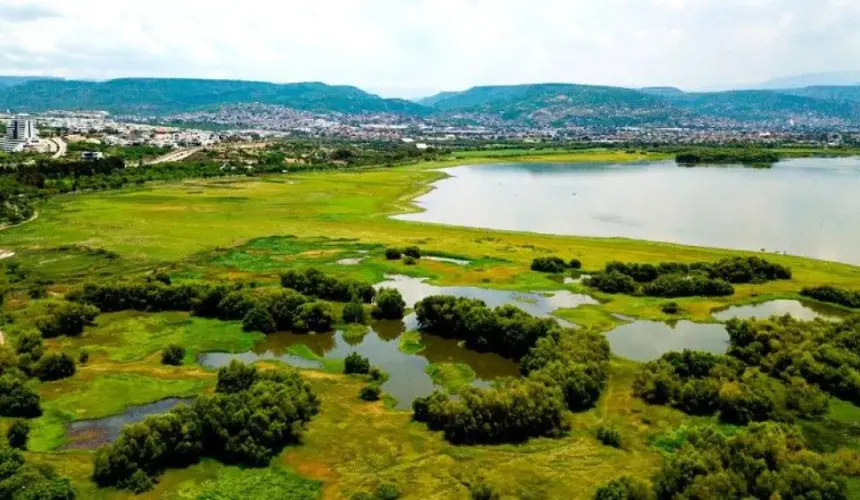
[(676, 279), (564, 370), (316, 284), (743, 156), (834, 295), (766, 460), (822, 353), (701, 383), (554, 264), (259, 309), (249, 420)]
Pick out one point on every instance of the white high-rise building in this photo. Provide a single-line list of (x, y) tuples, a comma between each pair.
[(20, 132)]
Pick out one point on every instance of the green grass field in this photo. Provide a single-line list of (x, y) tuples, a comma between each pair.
[(253, 229)]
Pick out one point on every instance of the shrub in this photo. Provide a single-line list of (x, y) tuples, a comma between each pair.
[(26, 481), (353, 313), (84, 357), (17, 434), (66, 319), (387, 491), (625, 488), (575, 264), (31, 343), (17, 399), (316, 284), (173, 355), (611, 282), (548, 265), (389, 304), (283, 307), (370, 392), (355, 363), (609, 435), (55, 366), (410, 261), (259, 319), (413, 252), (393, 253), (671, 308), (313, 317)]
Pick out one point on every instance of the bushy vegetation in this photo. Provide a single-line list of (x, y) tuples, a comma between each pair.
[(609, 435), (18, 434), (315, 283), (671, 308), (173, 355), (549, 265), (675, 279), (824, 354), (564, 370), (625, 488), (249, 420), (701, 383), (389, 304), (54, 366), (834, 295), (357, 364), (17, 399), (743, 156), (66, 319), (370, 392), (313, 317), (20, 480), (354, 313), (412, 251), (393, 253), (505, 330)]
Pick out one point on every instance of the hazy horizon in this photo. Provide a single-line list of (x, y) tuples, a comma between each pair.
[(413, 49)]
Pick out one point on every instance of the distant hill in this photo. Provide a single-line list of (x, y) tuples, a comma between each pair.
[(833, 78), (435, 99), (11, 81), (159, 96), (662, 91), (833, 93)]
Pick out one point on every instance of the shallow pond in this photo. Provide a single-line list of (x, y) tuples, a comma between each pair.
[(648, 340), (804, 311), (448, 260), (90, 434), (805, 207)]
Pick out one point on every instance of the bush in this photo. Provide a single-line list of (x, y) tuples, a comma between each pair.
[(17, 434), (66, 319), (173, 355), (31, 343), (313, 317), (17, 399), (387, 491), (54, 366), (641, 273), (355, 363), (672, 286), (548, 265), (609, 436), (353, 313), (84, 357), (389, 304), (611, 282), (316, 284), (625, 488), (834, 295), (671, 308), (393, 253), (246, 427), (25, 481), (413, 252), (259, 319), (575, 264), (410, 261), (370, 392)]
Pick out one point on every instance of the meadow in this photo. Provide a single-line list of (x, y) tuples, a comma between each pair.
[(253, 228)]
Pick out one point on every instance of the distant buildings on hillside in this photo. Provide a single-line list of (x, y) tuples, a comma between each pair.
[(21, 133)]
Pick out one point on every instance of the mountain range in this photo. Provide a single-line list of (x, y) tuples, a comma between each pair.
[(549, 104)]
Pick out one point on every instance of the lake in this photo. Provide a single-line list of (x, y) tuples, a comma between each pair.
[(806, 207)]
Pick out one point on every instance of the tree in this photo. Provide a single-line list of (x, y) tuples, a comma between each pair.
[(393, 253), (17, 399), (389, 304), (31, 343), (625, 488), (549, 265), (575, 264), (173, 354), (353, 313), (55, 366), (68, 318), (370, 392), (355, 363), (259, 319), (18, 433), (413, 252), (313, 317)]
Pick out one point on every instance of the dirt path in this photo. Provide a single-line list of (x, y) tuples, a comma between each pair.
[(31, 219)]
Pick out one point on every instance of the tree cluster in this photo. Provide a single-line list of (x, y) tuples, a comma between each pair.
[(250, 419), (20, 480), (834, 295), (66, 319), (315, 283), (743, 156), (701, 383), (389, 304)]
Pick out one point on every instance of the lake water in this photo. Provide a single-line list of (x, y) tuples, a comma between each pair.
[(90, 434), (648, 340), (805, 207), (802, 310)]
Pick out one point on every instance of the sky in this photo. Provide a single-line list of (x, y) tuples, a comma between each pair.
[(416, 47)]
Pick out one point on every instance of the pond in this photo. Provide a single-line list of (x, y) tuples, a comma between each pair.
[(648, 340), (802, 310), (409, 378), (90, 434), (803, 207)]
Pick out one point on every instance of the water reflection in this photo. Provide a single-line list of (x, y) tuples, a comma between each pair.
[(648, 340), (801, 310)]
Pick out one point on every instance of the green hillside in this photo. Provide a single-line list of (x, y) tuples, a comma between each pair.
[(163, 96)]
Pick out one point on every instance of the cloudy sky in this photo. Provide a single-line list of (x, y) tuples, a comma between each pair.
[(417, 46)]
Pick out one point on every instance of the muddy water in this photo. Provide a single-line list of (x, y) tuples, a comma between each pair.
[(90, 434)]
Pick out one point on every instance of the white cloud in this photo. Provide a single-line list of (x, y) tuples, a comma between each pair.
[(441, 44)]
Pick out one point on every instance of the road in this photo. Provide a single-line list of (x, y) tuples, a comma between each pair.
[(174, 156), (60, 146)]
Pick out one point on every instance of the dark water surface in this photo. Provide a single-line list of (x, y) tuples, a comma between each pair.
[(90, 434), (807, 207)]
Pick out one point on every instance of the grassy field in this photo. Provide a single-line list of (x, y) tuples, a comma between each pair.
[(254, 228)]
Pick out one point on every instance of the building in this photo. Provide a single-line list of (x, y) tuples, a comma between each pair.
[(20, 133), (92, 155)]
